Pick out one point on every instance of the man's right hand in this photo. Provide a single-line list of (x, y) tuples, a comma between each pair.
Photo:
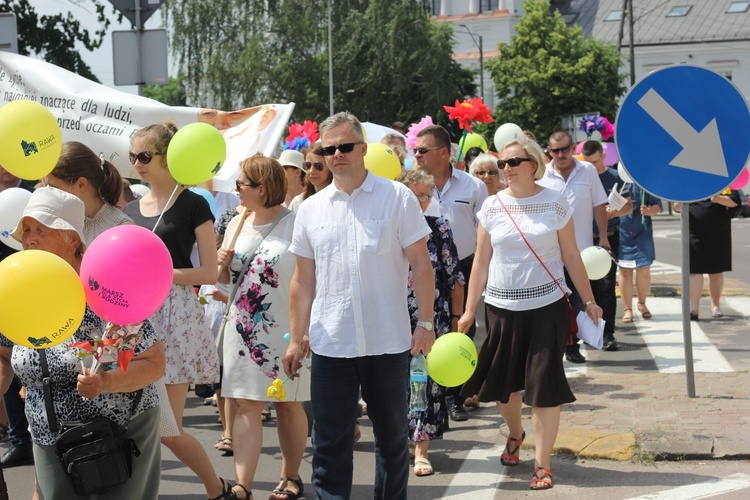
[(295, 353)]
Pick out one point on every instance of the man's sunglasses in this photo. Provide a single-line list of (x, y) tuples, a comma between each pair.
[(344, 148), (511, 162), (557, 151), (144, 157), (317, 165), (423, 151)]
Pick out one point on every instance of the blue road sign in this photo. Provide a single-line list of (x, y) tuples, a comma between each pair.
[(683, 133)]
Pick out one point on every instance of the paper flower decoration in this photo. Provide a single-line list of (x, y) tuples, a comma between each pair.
[(470, 111), (115, 346), (414, 129), (301, 135), (591, 124)]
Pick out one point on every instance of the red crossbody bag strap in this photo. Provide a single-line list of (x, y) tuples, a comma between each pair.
[(543, 265)]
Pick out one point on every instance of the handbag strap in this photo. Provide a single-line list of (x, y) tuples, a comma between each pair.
[(532, 251), (47, 389), (245, 266)]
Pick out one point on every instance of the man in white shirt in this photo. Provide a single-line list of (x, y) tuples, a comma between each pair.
[(579, 181), (459, 196), (354, 242)]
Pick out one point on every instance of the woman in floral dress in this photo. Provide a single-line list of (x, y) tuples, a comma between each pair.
[(253, 342), (425, 426)]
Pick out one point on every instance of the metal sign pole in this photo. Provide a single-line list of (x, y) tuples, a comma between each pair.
[(138, 36), (686, 332)]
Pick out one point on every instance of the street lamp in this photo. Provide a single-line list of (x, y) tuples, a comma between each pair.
[(474, 37)]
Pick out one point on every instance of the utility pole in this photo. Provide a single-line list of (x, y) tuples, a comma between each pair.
[(631, 21), (481, 56)]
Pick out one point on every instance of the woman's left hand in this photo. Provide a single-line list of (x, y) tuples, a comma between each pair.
[(90, 386)]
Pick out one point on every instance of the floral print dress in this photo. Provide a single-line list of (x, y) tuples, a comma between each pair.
[(254, 343), (430, 424)]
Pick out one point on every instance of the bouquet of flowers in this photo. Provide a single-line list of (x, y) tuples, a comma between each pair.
[(114, 346), (301, 135)]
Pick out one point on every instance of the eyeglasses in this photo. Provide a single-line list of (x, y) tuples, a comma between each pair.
[(557, 151), (423, 151), (239, 184), (144, 157), (511, 162), (344, 148), (318, 165), (482, 173), (423, 197)]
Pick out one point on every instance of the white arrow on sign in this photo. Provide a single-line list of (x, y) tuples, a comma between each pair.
[(701, 151)]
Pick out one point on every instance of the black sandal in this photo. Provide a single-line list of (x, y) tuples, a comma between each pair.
[(4, 430), (290, 495), (226, 491), (248, 493)]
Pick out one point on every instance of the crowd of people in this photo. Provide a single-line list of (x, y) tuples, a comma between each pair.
[(295, 270)]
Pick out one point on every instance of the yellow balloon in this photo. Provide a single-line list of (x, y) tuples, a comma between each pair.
[(30, 139), (382, 161), (452, 360), (41, 299)]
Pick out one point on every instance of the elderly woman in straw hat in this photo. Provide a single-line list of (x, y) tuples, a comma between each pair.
[(53, 222)]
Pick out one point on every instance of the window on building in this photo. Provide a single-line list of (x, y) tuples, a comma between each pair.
[(488, 5), (679, 11), (614, 15), (432, 7), (738, 7)]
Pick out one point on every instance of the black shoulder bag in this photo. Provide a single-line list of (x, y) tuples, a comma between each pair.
[(94, 455)]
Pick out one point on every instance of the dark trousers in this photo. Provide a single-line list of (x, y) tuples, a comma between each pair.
[(577, 303), (452, 394), (15, 407), (604, 289), (334, 390)]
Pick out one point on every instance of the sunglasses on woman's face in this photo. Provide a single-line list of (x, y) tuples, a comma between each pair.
[(511, 162), (317, 165), (144, 157)]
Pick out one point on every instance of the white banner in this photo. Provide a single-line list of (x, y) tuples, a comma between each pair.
[(105, 119)]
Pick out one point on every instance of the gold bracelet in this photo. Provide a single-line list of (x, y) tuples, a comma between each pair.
[(589, 303)]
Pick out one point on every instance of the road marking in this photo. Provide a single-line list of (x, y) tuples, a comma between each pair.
[(706, 489), (740, 305), (480, 467), (662, 268), (663, 336), (667, 233)]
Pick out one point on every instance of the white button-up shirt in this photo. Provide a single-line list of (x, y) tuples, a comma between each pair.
[(361, 270), (584, 191), (459, 202)]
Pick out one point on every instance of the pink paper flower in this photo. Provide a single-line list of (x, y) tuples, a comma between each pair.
[(414, 129)]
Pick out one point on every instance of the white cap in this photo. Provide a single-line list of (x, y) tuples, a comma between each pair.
[(55, 209), (292, 158)]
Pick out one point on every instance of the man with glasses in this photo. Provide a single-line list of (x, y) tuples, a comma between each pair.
[(458, 196), (354, 242), (579, 181), (604, 288)]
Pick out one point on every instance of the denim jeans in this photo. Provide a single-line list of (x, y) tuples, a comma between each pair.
[(334, 389)]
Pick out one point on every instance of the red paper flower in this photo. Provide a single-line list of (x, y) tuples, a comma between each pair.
[(301, 135), (469, 111)]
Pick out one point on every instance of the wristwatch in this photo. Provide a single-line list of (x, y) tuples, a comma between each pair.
[(427, 325)]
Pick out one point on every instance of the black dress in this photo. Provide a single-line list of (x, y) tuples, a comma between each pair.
[(711, 237)]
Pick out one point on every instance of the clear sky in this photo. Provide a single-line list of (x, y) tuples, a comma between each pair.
[(99, 60)]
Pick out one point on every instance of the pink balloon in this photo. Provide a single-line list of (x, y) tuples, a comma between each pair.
[(741, 181), (127, 274), (579, 148), (610, 153)]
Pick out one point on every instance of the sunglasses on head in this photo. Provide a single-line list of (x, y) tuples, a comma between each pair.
[(317, 165), (144, 157), (511, 162), (423, 151), (344, 148), (557, 151)]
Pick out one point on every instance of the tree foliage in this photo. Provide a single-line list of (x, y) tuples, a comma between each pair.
[(549, 71), (172, 93), (389, 62), (54, 38)]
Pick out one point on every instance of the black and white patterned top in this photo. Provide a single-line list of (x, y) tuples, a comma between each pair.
[(64, 367)]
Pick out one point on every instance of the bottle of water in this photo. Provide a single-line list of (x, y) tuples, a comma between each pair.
[(418, 383)]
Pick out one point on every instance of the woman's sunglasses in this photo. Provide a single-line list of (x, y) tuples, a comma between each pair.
[(317, 165), (511, 162), (344, 148), (144, 157)]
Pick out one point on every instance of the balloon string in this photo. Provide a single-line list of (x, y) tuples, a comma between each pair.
[(461, 147), (166, 206)]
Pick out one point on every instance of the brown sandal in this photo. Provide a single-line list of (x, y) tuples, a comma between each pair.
[(644, 310), (627, 316), (511, 456), (543, 481)]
